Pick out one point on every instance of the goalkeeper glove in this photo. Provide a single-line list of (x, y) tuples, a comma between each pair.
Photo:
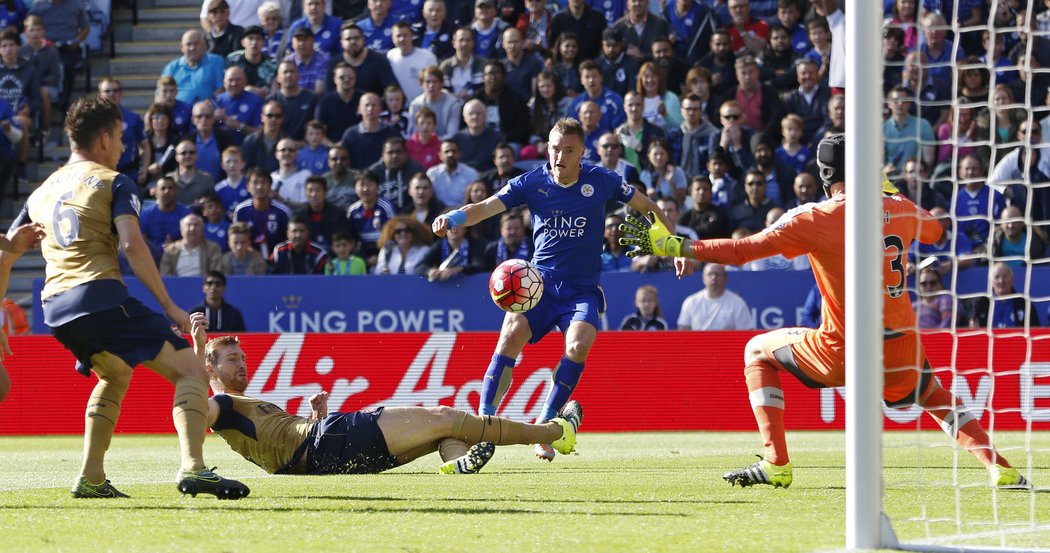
[(650, 237)]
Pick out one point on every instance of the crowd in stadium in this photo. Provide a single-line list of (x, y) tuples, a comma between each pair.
[(308, 138)]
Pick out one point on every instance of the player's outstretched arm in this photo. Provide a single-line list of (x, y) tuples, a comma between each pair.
[(651, 237), (22, 238), (468, 215), (141, 261)]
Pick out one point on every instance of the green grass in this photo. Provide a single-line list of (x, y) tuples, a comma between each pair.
[(621, 492)]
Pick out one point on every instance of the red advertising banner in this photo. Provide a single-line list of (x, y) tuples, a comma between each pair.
[(633, 381)]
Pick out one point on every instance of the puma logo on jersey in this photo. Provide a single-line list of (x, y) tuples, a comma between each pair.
[(543, 191)]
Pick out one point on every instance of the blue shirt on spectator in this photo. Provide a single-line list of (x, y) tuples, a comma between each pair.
[(377, 37), (246, 108), (312, 159), (326, 39), (195, 83), (159, 226), (232, 194)]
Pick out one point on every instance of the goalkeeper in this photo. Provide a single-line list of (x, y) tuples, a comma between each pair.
[(359, 442), (816, 356)]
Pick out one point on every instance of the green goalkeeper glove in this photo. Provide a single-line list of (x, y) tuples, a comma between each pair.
[(650, 237)]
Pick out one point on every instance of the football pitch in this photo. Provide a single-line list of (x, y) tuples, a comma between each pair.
[(619, 492)]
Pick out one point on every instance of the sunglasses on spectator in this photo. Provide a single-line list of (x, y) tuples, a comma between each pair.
[(927, 282), (731, 116), (609, 146)]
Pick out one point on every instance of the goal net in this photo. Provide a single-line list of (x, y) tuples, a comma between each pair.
[(966, 101)]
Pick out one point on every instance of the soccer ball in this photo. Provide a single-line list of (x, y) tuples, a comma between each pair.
[(516, 285)]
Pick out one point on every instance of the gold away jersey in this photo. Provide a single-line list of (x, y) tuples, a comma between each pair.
[(260, 431)]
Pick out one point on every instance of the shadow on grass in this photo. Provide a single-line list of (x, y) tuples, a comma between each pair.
[(241, 506), (543, 501)]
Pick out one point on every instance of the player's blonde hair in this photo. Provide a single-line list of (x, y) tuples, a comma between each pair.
[(211, 350)]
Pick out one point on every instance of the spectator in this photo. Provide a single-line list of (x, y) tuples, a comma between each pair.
[(13, 320), (478, 140), (504, 169), (457, 254), (647, 315), (242, 259), (338, 108), (734, 141), (590, 117), (820, 37), (906, 135), (662, 178), (323, 218), (614, 254), (407, 61), (221, 36), (13, 14), (372, 68), (778, 61), (368, 215), (134, 131), (394, 170), (343, 262), (725, 189), (20, 87), (976, 203), (67, 26), (780, 177), (210, 142), (425, 206), (714, 307), (547, 105), (662, 107), (197, 73), (609, 102), (259, 68), (424, 147), (275, 39), (266, 218), (892, 58), (640, 28), (190, 183), (298, 103), (166, 94), (506, 111), (1007, 312), (512, 242), (998, 59), (435, 31), (487, 29), (244, 13), (487, 230), (298, 255), (375, 25), (238, 111), (222, 317), (520, 67), (636, 133), (720, 62), (918, 186), (340, 177), (450, 178), (747, 34), (955, 139), (463, 71), (707, 220), (444, 106), (396, 113), (260, 148), (609, 148), (691, 24), (935, 96), (192, 255), (323, 28), (809, 101), (836, 121), (805, 189), (366, 139), (160, 221), (792, 153), (565, 66), (48, 65), (689, 141), (939, 50), (289, 182), (1016, 244), (313, 155), (759, 104), (751, 214), (310, 63), (935, 306), (10, 136), (619, 70), (583, 21), (402, 245), (905, 16), (216, 225)]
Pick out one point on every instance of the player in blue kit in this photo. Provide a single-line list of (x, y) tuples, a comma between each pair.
[(567, 202)]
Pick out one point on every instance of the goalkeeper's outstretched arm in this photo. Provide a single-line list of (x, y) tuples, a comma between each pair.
[(652, 237)]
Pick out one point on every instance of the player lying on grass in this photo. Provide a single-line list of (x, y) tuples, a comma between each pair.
[(356, 442), (816, 357)]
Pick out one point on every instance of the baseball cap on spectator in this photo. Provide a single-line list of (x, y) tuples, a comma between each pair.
[(254, 30), (217, 4), (303, 31)]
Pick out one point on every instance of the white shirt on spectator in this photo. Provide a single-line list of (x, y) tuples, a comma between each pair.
[(728, 312), (451, 187), (407, 69), (293, 187)]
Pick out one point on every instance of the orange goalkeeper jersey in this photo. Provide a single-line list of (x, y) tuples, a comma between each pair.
[(819, 231)]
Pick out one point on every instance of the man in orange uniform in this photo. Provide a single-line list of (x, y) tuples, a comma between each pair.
[(816, 357)]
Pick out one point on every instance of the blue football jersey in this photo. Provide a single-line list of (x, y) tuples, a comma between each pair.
[(568, 222)]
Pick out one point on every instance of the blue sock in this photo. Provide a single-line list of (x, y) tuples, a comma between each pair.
[(492, 386), (566, 376)]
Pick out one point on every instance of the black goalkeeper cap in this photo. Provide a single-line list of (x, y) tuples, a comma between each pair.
[(831, 158)]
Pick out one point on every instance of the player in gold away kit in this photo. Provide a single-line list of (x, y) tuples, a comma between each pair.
[(359, 442), (87, 209), (816, 357)]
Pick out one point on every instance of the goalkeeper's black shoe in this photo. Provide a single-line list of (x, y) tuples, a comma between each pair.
[(86, 490), (762, 472), (194, 482)]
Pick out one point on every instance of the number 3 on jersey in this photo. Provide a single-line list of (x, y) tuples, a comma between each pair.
[(65, 224), (894, 248)]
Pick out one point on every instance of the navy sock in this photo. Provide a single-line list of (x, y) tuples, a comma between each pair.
[(566, 376), (492, 386)]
